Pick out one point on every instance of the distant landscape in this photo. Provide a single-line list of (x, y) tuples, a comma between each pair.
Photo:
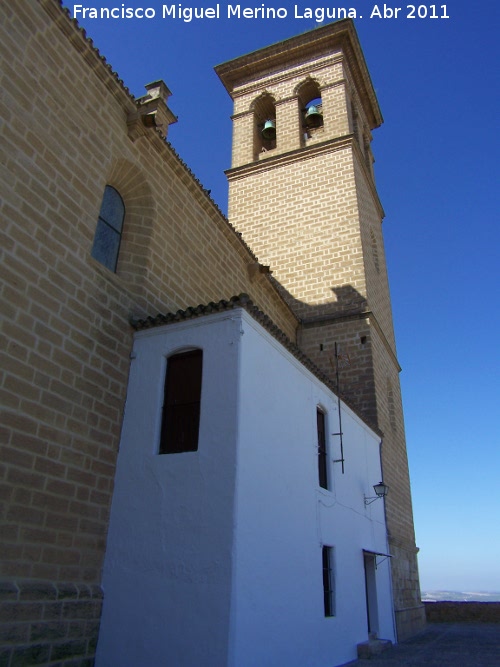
[(454, 596)]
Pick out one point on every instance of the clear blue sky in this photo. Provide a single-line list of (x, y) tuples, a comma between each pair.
[(437, 158)]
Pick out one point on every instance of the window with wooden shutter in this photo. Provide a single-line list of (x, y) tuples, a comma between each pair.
[(181, 408)]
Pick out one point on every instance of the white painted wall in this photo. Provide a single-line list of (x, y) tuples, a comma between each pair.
[(284, 518), (167, 574), (214, 557)]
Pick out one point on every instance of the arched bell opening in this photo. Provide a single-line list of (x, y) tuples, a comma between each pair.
[(311, 110), (264, 125)]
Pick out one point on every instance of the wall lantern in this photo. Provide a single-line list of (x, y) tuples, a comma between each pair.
[(380, 489)]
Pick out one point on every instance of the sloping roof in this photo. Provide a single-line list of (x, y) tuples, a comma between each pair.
[(244, 301), (77, 37)]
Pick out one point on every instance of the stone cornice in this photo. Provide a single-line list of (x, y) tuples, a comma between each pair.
[(309, 70), (383, 338), (85, 46), (302, 153), (310, 45)]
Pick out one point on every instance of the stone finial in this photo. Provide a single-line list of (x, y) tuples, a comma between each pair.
[(152, 111)]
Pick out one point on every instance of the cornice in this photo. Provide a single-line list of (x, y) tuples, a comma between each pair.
[(302, 153), (85, 46), (299, 70), (385, 342), (311, 46)]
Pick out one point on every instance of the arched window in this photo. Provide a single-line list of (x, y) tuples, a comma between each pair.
[(108, 232), (181, 403)]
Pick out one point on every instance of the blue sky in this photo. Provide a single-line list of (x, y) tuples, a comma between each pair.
[(436, 168)]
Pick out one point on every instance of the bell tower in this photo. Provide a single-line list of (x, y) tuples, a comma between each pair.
[(302, 193)]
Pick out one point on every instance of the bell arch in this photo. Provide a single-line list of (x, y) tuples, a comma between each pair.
[(264, 114), (311, 108)]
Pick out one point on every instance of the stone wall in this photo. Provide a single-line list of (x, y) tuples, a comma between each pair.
[(48, 623), (462, 612)]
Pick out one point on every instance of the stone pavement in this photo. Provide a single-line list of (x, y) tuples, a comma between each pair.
[(443, 645)]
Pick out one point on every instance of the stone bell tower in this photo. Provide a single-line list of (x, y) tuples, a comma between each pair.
[(302, 192)]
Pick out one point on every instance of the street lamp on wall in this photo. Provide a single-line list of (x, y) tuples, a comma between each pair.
[(381, 491)]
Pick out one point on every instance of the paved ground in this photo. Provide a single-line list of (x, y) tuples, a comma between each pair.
[(444, 645)]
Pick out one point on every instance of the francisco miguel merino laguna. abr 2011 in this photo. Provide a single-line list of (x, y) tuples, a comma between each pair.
[(187, 14)]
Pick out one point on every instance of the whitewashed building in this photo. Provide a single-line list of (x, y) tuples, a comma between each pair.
[(234, 553)]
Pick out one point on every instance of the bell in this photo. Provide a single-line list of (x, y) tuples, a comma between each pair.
[(314, 117), (269, 130)]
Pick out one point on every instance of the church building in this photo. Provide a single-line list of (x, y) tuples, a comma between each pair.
[(203, 451)]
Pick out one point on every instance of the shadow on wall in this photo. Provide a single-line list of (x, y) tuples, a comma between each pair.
[(341, 326), (345, 300)]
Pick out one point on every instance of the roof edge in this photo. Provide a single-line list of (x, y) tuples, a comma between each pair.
[(319, 40), (244, 302)]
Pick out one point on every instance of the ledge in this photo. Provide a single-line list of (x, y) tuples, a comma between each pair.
[(462, 612)]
